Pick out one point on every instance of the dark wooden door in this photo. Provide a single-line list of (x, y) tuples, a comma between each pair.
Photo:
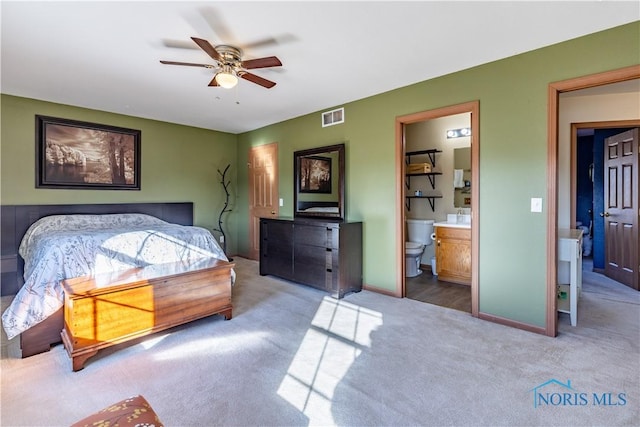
[(621, 213)]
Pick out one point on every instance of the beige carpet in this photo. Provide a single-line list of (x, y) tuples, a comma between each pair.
[(292, 356)]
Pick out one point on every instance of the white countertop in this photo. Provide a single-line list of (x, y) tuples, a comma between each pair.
[(452, 224), (565, 233)]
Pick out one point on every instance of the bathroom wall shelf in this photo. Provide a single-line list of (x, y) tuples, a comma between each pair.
[(431, 176), (431, 153), (430, 199)]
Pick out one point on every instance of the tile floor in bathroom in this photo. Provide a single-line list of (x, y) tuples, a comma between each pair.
[(427, 288)]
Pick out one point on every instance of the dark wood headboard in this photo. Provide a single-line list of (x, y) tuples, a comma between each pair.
[(16, 219)]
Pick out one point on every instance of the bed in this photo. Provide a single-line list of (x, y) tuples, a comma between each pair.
[(318, 207), (57, 242)]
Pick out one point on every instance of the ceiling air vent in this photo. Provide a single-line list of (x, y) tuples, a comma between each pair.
[(333, 117)]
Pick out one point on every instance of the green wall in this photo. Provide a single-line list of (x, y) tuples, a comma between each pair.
[(179, 163), (513, 162)]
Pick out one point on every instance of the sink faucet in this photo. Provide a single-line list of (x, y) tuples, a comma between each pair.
[(460, 217)]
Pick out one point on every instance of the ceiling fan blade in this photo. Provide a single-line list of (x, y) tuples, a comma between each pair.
[(267, 41), (179, 44), (213, 81), (257, 80), (190, 64), (269, 61), (206, 46), (216, 22)]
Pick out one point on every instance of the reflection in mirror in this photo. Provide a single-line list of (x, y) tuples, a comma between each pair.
[(462, 177), (319, 182)]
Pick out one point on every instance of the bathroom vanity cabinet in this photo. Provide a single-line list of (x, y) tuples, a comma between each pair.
[(324, 254), (453, 254)]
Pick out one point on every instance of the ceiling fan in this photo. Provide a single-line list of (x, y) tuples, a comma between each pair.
[(229, 65)]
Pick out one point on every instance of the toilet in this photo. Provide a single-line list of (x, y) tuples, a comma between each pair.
[(418, 237)]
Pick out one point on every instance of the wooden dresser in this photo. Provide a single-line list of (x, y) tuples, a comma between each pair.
[(324, 254)]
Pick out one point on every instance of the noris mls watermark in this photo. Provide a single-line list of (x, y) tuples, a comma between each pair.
[(557, 393)]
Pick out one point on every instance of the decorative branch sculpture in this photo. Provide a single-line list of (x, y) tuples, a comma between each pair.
[(225, 185)]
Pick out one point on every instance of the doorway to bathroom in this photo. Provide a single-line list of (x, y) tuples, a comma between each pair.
[(421, 138), (427, 288)]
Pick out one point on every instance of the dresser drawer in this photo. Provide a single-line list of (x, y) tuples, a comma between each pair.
[(316, 266), (322, 236), (307, 256), (276, 248)]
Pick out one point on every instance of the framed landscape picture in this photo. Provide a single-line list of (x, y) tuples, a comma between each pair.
[(75, 154), (315, 174)]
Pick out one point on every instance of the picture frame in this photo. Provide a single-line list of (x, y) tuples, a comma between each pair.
[(315, 174), (72, 154)]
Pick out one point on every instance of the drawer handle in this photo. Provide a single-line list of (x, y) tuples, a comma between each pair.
[(329, 270), (329, 249)]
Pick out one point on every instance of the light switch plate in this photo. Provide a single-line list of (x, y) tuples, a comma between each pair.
[(281, 202), (536, 204)]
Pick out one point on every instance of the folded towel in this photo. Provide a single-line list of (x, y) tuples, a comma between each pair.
[(458, 180)]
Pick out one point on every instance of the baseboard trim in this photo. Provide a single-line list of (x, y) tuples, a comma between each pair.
[(484, 316), (425, 268), (378, 290), (512, 323)]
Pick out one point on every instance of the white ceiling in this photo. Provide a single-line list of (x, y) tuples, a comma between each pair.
[(105, 55)]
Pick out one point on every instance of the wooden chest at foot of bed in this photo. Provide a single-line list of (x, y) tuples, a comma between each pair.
[(108, 309)]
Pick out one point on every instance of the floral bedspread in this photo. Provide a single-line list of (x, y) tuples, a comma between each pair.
[(59, 247)]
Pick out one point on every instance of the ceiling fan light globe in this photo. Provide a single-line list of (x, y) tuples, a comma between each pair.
[(226, 80)]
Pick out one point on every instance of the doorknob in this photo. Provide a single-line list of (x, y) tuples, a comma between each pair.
[(274, 212), (604, 214)]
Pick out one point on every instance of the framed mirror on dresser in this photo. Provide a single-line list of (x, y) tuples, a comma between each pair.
[(318, 190), (317, 247)]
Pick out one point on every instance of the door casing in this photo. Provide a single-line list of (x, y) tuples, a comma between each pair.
[(472, 107), (575, 128), (554, 91)]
